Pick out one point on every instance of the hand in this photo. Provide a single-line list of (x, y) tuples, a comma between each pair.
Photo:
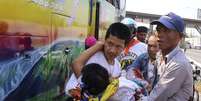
[(149, 88), (75, 93), (98, 46), (137, 95)]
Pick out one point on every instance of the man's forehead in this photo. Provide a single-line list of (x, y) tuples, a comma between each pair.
[(160, 26), (115, 38)]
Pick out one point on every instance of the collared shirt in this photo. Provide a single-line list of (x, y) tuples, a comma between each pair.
[(175, 78)]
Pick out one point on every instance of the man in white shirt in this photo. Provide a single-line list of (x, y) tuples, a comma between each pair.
[(104, 53), (174, 69)]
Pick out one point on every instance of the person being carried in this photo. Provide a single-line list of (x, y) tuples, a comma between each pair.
[(94, 84)]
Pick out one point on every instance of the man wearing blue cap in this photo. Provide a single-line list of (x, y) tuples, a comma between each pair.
[(175, 81)]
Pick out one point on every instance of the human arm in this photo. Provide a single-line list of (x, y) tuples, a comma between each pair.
[(137, 64), (79, 62)]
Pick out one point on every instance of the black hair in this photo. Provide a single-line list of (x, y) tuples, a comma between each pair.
[(142, 29), (95, 79), (120, 31), (86, 47)]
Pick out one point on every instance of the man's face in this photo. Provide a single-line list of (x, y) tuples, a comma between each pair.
[(141, 36), (113, 47), (153, 47), (167, 39)]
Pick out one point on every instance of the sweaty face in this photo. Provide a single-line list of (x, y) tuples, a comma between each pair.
[(141, 36), (113, 47), (167, 39), (153, 47)]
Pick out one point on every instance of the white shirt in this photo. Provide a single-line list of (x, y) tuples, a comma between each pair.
[(99, 58)]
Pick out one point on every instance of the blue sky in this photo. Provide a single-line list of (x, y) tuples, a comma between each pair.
[(184, 8)]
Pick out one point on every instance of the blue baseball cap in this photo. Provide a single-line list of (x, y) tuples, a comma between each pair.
[(171, 21)]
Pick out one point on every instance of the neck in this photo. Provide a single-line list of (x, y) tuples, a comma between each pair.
[(167, 51), (152, 59), (109, 60)]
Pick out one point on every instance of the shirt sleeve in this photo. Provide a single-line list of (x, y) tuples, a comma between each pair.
[(169, 83), (136, 63)]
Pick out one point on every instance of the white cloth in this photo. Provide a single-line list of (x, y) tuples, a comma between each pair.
[(99, 58), (125, 91)]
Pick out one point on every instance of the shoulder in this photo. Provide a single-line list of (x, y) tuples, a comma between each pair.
[(180, 61), (144, 55), (97, 55), (141, 44), (139, 47)]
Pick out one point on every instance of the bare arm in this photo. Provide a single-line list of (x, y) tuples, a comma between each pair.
[(79, 62)]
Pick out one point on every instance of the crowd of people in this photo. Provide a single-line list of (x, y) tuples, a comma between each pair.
[(134, 64)]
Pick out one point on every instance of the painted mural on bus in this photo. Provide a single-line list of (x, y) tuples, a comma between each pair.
[(40, 38)]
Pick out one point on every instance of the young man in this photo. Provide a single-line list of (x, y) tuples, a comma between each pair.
[(174, 69), (141, 33), (103, 53), (146, 62), (134, 47), (117, 37)]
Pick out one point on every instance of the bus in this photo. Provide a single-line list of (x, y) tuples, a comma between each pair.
[(40, 38)]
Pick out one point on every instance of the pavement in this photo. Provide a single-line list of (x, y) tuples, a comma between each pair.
[(195, 56)]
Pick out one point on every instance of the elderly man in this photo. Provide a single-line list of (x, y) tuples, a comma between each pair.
[(174, 69), (146, 62)]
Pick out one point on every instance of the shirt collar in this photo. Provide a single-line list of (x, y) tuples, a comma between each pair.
[(169, 56)]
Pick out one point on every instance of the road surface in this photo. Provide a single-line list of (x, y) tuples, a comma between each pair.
[(194, 54)]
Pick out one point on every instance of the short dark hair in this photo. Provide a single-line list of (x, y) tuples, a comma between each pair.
[(120, 31), (142, 29), (95, 78)]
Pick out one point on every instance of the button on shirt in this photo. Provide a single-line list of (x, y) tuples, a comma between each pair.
[(175, 78)]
